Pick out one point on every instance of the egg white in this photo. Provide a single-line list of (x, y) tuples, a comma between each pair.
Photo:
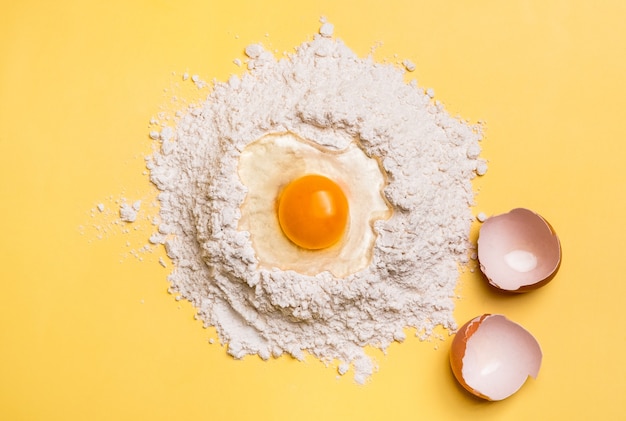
[(267, 165)]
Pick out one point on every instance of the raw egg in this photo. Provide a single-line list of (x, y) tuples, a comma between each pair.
[(309, 208), (491, 356), (313, 211), (518, 251)]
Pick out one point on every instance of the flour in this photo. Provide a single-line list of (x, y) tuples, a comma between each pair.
[(128, 213), (325, 93)]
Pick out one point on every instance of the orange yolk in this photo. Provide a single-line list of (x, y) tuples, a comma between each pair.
[(313, 212)]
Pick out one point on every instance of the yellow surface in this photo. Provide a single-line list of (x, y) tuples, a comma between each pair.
[(87, 329)]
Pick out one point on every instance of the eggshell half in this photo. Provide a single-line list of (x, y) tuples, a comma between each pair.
[(518, 251), (491, 356)]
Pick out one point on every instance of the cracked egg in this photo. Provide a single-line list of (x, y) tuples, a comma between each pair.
[(309, 208)]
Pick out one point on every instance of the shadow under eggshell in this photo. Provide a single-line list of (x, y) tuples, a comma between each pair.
[(518, 231)]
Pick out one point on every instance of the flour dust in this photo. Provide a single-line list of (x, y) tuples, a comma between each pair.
[(325, 93)]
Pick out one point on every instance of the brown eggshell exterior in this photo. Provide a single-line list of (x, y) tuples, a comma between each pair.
[(457, 352), (524, 215)]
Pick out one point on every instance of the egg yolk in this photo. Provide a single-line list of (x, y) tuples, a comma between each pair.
[(313, 212)]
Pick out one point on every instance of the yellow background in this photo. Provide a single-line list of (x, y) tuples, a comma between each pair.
[(87, 329)]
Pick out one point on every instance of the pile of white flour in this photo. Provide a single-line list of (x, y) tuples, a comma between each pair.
[(323, 92)]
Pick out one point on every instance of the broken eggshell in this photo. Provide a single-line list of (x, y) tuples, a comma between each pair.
[(491, 356), (518, 251)]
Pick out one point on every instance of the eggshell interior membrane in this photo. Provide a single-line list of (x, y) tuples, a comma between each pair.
[(492, 357), (518, 251)]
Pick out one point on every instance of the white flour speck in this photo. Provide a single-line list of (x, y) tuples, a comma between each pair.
[(128, 213), (409, 65), (327, 29)]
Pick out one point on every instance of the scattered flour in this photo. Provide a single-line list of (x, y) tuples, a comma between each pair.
[(325, 93), (409, 65), (327, 29), (128, 213), (119, 216)]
